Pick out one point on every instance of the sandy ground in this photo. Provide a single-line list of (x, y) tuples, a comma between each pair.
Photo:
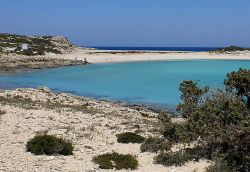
[(98, 56), (91, 130)]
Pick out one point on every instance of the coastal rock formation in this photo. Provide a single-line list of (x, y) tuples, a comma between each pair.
[(27, 63), (21, 53), (34, 45)]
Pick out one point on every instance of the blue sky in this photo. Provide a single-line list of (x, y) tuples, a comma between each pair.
[(132, 22)]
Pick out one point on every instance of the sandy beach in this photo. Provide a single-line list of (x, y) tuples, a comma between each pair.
[(79, 56), (101, 56)]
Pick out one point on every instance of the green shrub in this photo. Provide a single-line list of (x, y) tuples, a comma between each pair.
[(116, 161), (230, 49), (239, 83), (219, 166), (181, 157), (236, 153), (49, 145), (155, 144), (171, 159), (191, 96), (129, 137), (197, 153), (174, 132)]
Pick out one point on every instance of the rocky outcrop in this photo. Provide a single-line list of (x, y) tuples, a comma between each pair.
[(34, 45), (22, 53), (29, 63)]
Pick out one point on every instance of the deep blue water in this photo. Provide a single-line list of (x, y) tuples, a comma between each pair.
[(195, 49), (152, 83)]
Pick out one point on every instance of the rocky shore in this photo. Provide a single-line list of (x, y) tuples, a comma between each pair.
[(90, 124), (22, 53), (24, 63)]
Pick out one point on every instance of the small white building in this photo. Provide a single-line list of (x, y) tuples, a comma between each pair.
[(25, 47)]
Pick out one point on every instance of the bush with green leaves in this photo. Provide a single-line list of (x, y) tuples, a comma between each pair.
[(116, 161), (239, 82), (217, 120), (219, 166), (179, 158), (129, 137), (191, 97), (49, 145), (222, 122), (174, 132), (171, 159), (230, 49), (155, 144)]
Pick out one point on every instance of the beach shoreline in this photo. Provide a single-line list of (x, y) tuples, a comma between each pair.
[(113, 56), (80, 56)]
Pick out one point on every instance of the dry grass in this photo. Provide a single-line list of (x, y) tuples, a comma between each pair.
[(27, 103)]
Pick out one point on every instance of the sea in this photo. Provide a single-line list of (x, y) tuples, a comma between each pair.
[(154, 83)]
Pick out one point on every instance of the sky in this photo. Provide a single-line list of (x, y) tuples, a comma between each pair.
[(143, 23)]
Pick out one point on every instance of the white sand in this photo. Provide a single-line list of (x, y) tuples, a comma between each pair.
[(98, 56), (91, 133)]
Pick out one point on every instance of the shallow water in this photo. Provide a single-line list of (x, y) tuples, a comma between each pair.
[(152, 83)]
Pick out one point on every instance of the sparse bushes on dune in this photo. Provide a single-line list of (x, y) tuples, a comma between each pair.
[(129, 137), (49, 145), (116, 161)]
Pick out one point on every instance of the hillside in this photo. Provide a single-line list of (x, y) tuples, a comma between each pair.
[(35, 45)]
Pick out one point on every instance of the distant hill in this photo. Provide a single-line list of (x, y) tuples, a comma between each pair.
[(34, 45), (230, 49)]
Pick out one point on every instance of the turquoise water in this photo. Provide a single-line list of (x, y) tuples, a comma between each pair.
[(152, 83)]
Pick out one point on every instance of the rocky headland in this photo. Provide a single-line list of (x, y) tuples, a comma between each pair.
[(22, 53)]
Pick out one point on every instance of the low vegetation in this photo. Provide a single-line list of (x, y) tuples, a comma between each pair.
[(129, 137), (171, 159), (219, 166), (239, 83), (39, 45), (179, 158), (217, 124), (49, 145), (230, 49), (155, 144), (116, 161), (28, 104)]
